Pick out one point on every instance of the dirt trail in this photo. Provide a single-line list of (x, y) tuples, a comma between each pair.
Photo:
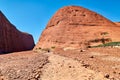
[(104, 60), (63, 68), (29, 65)]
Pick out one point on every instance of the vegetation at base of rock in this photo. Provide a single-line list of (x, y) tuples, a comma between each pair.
[(103, 34), (53, 47), (108, 44), (39, 49), (46, 49), (42, 49)]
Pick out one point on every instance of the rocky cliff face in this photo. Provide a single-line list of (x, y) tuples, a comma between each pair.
[(11, 39), (74, 26)]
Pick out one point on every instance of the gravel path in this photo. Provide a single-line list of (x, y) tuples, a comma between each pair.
[(63, 68), (29, 65)]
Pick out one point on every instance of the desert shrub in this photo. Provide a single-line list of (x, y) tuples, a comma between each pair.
[(104, 33), (39, 48), (46, 49), (107, 44), (53, 47), (95, 40)]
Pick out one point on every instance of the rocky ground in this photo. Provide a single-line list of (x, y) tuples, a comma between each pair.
[(63, 68), (92, 64), (104, 60), (22, 66)]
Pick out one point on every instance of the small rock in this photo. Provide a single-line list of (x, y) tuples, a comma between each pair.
[(107, 75), (85, 65), (37, 76), (70, 66), (82, 50), (91, 56), (114, 72)]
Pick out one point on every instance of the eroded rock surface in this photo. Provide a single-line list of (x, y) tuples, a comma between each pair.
[(74, 26), (11, 39)]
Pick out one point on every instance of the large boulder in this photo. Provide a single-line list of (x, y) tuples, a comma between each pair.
[(78, 27), (11, 39)]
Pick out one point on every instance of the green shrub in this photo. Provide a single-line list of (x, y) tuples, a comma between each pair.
[(107, 44)]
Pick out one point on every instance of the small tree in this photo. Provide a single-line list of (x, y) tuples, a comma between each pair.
[(103, 34)]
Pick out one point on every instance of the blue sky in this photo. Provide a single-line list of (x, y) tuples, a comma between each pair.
[(32, 16)]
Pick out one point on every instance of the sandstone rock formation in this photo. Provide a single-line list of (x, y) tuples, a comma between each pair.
[(74, 26), (11, 39), (117, 23)]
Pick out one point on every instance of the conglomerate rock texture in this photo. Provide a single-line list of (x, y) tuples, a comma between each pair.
[(11, 39)]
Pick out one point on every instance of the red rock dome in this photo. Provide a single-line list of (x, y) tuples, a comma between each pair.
[(74, 26)]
